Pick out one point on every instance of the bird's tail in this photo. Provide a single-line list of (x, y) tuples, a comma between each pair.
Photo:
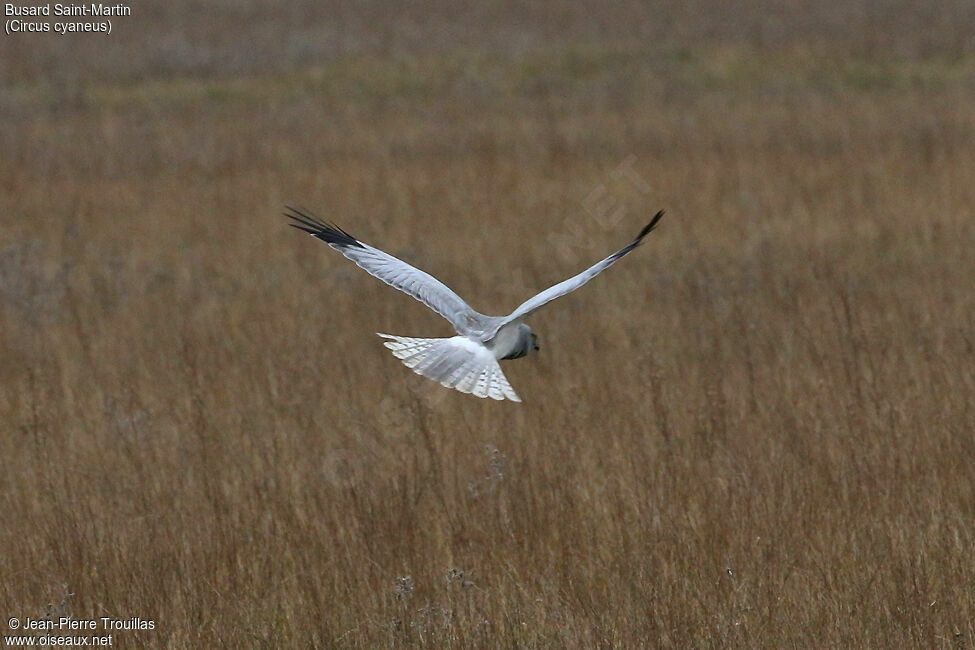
[(455, 362)]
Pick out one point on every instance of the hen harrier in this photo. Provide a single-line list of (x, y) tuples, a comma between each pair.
[(469, 361)]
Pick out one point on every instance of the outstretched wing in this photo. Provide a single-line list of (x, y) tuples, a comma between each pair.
[(576, 281), (410, 280)]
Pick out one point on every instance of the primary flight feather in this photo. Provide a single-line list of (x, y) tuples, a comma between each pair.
[(468, 361)]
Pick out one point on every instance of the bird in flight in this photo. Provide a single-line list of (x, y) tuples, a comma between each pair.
[(467, 362)]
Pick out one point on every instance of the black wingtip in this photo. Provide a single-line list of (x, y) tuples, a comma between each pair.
[(650, 226), (327, 232)]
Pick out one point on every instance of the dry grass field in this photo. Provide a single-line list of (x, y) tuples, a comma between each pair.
[(755, 431)]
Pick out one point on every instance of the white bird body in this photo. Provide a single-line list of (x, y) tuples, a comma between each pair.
[(467, 362)]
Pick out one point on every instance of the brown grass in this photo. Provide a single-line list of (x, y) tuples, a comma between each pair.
[(755, 431)]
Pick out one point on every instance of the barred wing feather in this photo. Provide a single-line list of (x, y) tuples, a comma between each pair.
[(457, 362)]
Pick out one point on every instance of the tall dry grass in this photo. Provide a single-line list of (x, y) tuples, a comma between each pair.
[(755, 431)]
